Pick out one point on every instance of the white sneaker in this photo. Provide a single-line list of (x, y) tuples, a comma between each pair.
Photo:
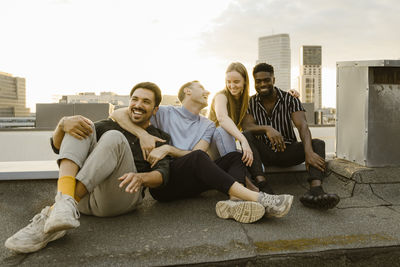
[(32, 237), (241, 211), (275, 205), (64, 214)]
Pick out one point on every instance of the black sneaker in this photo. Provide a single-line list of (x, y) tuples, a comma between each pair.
[(316, 198)]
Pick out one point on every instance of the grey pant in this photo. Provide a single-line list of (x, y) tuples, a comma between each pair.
[(101, 164)]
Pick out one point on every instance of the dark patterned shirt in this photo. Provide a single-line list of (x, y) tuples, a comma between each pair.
[(280, 119)]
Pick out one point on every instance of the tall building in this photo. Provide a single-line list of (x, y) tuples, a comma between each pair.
[(275, 50), (12, 96), (310, 75)]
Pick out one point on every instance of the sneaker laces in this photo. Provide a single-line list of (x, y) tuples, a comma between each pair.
[(74, 203), (270, 199), (36, 219)]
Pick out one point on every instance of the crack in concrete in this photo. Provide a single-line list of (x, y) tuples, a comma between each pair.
[(378, 196), (250, 241), (365, 207)]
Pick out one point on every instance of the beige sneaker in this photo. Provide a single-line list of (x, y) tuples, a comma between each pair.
[(32, 237), (275, 205), (64, 214), (241, 211)]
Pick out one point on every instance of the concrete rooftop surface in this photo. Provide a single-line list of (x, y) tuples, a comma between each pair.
[(363, 230)]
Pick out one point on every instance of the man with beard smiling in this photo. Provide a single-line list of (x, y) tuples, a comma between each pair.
[(191, 169), (109, 168), (268, 128)]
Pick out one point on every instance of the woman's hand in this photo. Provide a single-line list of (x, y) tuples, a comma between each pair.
[(247, 157), (294, 93)]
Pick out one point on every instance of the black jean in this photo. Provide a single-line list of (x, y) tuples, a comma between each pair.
[(195, 173), (293, 155)]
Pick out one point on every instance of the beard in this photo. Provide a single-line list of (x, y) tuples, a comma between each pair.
[(267, 91)]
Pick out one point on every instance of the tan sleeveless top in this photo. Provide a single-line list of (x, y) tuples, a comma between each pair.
[(213, 116)]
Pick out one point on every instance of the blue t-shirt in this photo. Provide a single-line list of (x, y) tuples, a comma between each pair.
[(185, 128)]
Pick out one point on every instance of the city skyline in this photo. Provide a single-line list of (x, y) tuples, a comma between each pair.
[(68, 46)]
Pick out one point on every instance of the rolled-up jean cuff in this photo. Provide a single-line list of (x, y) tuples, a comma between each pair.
[(71, 157)]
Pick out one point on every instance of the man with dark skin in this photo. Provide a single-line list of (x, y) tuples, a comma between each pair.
[(268, 128)]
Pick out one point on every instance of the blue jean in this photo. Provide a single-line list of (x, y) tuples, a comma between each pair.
[(223, 142)]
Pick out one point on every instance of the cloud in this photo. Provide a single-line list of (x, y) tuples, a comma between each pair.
[(347, 30)]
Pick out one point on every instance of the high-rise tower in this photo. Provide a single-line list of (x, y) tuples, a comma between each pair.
[(12, 96), (310, 75), (275, 50)]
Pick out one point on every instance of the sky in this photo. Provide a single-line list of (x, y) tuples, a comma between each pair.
[(70, 46)]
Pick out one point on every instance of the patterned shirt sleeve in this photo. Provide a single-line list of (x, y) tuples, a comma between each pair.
[(249, 108), (295, 105)]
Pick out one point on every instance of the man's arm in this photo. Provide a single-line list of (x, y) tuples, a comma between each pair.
[(312, 158), (77, 126), (162, 151), (133, 181), (147, 141), (277, 142), (152, 179)]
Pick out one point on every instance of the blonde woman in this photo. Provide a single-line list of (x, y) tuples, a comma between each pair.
[(228, 109)]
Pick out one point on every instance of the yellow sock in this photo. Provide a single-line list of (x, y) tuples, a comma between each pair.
[(66, 185)]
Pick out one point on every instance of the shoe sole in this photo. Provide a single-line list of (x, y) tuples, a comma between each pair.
[(33, 248), (241, 211), (323, 204), (56, 225), (284, 212)]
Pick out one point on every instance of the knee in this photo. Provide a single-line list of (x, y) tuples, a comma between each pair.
[(318, 143), (319, 147), (113, 137), (92, 125), (234, 156), (199, 155)]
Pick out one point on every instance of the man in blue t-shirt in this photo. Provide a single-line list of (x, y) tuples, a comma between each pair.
[(191, 169)]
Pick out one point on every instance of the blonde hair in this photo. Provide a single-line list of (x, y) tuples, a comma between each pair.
[(232, 104)]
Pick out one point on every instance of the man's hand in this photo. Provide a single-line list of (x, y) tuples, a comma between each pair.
[(148, 143), (315, 160), (133, 181), (276, 139), (77, 126), (247, 157), (157, 154)]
